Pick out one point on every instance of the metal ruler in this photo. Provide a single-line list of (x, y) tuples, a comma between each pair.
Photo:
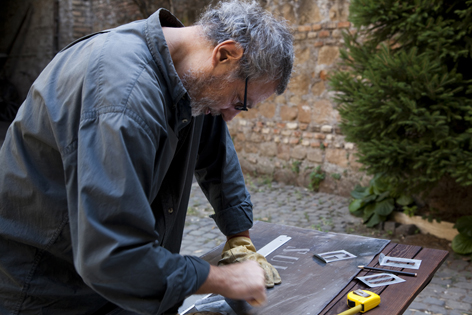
[(273, 245), (264, 251)]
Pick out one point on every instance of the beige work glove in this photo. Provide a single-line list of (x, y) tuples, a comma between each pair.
[(239, 249)]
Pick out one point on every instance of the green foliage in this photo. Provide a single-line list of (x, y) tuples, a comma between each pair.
[(296, 166), (464, 225), (316, 177), (462, 243), (267, 180), (192, 211), (336, 176), (375, 202), (410, 211), (404, 89)]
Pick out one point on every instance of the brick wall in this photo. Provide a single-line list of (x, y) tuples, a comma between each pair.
[(96, 15), (289, 136), (27, 36)]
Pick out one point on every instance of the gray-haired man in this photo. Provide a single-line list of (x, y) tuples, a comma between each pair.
[(98, 164)]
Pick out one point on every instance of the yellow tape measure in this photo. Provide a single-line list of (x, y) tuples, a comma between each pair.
[(361, 301)]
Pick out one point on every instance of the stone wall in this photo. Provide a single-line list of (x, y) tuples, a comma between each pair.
[(27, 42), (96, 15), (289, 136)]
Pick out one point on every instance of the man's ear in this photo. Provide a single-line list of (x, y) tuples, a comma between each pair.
[(227, 52)]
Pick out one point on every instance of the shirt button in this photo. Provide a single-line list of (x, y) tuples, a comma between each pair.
[(170, 210), (184, 120)]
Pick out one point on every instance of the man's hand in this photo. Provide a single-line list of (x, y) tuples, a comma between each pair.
[(244, 281), (239, 249)]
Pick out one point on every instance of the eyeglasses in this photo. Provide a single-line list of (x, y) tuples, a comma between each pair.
[(243, 107)]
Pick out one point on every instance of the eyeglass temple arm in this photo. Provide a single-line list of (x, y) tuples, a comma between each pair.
[(245, 95)]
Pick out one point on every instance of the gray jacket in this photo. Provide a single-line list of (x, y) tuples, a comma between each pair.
[(95, 178)]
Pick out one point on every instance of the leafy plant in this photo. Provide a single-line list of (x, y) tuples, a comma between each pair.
[(316, 177), (336, 176), (462, 242), (433, 215), (404, 91), (296, 166), (267, 180), (410, 211), (377, 200)]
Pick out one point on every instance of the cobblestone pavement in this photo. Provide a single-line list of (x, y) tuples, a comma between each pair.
[(449, 292)]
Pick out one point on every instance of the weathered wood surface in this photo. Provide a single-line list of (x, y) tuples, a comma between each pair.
[(308, 284), (307, 281)]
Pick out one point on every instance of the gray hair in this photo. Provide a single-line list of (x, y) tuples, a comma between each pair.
[(266, 41)]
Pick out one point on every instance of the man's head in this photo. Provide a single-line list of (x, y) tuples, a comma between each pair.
[(249, 43)]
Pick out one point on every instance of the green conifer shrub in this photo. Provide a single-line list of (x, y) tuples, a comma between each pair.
[(404, 90)]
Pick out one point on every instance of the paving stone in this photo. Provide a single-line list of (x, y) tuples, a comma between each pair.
[(190, 227), (197, 232), (455, 305), (468, 298), (442, 281), (435, 309), (434, 300), (453, 291), (439, 289), (418, 306), (462, 284), (459, 264)]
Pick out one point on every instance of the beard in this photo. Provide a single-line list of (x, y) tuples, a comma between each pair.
[(205, 91)]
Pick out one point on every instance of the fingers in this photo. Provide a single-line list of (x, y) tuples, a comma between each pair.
[(241, 254), (271, 274), (268, 275), (243, 281), (255, 283), (275, 273)]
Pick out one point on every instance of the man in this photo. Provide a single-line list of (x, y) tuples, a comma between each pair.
[(96, 169)]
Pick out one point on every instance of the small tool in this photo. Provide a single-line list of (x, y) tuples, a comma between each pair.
[(380, 279), (335, 256), (361, 301), (399, 262), (391, 271), (273, 245), (216, 303)]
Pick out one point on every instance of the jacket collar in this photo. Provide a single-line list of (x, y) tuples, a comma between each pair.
[(158, 47), (160, 52)]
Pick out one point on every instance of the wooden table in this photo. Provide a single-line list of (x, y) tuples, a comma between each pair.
[(395, 298)]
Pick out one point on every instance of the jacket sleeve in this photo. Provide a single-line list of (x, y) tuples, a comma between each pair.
[(116, 247), (219, 175)]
